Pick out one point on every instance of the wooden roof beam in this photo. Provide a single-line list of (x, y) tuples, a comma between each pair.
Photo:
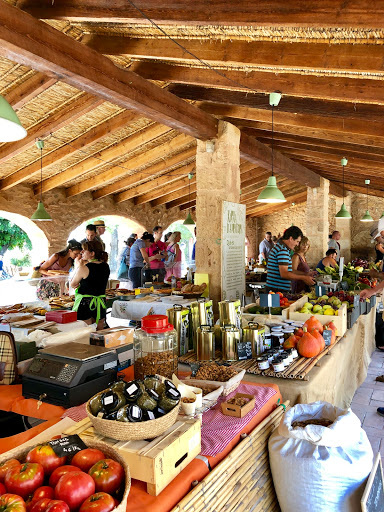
[(188, 206), (167, 181), (173, 190), (181, 201), (339, 88), (299, 197), (327, 13), (261, 155), (64, 151), (65, 115), (162, 166), (29, 41), (29, 89), (109, 154), (130, 165)]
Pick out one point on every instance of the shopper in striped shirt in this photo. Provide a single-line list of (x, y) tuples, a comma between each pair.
[(279, 266)]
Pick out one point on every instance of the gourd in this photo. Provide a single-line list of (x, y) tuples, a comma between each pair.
[(315, 333), (291, 342), (308, 345), (331, 326), (314, 323)]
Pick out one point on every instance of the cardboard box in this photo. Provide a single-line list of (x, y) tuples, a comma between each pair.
[(236, 410), (61, 316), (112, 337)]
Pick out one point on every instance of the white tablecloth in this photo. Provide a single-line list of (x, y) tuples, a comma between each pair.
[(136, 309)]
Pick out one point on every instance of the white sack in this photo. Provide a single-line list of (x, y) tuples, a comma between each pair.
[(320, 469), (66, 337)]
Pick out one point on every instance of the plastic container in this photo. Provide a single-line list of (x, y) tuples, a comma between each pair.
[(155, 347)]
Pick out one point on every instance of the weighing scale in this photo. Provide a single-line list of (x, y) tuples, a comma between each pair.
[(69, 374)]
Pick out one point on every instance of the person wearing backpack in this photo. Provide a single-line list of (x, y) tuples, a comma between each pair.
[(173, 262)]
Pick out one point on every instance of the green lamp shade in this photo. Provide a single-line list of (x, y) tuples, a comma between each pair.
[(41, 213), (367, 217), (10, 126), (343, 213), (189, 223), (271, 193)]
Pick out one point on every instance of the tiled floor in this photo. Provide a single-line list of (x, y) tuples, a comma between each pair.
[(367, 399)]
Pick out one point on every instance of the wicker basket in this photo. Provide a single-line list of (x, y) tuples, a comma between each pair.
[(20, 453), (133, 431)]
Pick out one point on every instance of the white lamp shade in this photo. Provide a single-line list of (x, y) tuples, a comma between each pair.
[(10, 126)]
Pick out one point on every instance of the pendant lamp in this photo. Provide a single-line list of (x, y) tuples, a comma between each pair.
[(11, 128), (41, 213), (367, 217), (271, 193), (343, 213), (189, 222)]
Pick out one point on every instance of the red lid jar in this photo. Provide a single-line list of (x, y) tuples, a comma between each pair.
[(156, 324)]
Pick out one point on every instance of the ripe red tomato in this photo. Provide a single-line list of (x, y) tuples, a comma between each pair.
[(99, 502), (108, 475), (40, 505), (85, 459), (24, 479), (59, 472), (42, 492), (12, 503), (44, 455), (57, 506), (74, 488), (3, 490), (8, 464)]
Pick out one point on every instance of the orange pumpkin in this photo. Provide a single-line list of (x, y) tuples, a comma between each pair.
[(315, 333), (291, 342), (314, 323), (299, 332), (308, 345)]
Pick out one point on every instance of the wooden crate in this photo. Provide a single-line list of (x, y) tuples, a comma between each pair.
[(340, 321), (242, 481), (155, 462), (263, 319)]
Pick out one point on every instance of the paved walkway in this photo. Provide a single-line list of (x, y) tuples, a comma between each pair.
[(367, 399)]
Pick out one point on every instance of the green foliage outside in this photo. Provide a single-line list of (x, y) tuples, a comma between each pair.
[(12, 237), (25, 261)]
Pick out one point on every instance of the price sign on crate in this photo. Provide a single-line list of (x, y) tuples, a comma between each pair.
[(67, 445), (269, 300), (244, 350)]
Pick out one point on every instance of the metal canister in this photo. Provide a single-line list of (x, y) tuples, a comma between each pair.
[(254, 333), (230, 313), (230, 336), (202, 314), (205, 345), (179, 318)]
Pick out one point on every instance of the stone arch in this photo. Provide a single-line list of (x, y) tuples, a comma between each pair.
[(37, 236)]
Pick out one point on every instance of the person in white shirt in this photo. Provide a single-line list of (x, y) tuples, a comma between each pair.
[(334, 243)]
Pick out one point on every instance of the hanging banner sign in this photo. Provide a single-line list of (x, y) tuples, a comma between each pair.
[(233, 251)]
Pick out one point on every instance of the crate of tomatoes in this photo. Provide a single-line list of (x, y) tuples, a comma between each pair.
[(61, 476)]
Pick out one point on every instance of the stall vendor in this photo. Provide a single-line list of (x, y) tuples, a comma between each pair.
[(90, 280), (279, 266), (329, 260)]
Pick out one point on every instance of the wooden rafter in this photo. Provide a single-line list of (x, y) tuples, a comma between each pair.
[(130, 165), (174, 189), (183, 200), (327, 13), (120, 185), (29, 89), (259, 211), (361, 90), (276, 54), (175, 195), (31, 42), (62, 117)]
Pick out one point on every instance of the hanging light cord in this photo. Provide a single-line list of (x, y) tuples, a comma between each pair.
[(41, 175), (367, 196), (343, 185), (272, 139)]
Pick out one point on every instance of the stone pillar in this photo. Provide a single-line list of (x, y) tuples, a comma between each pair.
[(251, 233), (317, 221), (344, 226), (217, 180)]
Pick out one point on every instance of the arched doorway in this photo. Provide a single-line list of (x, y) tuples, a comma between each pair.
[(118, 229), (39, 251), (186, 243)]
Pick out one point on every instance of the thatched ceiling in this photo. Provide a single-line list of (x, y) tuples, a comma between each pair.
[(328, 67)]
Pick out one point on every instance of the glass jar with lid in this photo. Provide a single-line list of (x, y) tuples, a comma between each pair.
[(155, 347)]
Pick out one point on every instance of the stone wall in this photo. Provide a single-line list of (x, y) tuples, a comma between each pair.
[(361, 245), (68, 213), (251, 233)]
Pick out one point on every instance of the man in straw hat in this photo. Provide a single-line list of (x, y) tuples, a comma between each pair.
[(100, 230)]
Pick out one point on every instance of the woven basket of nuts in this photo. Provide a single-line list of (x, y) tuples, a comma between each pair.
[(227, 376)]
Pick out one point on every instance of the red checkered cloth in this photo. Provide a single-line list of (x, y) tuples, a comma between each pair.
[(76, 413), (218, 430)]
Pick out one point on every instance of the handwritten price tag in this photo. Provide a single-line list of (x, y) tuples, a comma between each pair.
[(67, 445)]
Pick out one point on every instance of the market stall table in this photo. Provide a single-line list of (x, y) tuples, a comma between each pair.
[(135, 309)]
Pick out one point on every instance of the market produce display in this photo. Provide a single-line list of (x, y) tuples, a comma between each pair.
[(91, 483), (136, 401), (352, 274), (324, 305)]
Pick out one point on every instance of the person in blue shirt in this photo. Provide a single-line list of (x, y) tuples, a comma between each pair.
[(266, 246), (138, 258)]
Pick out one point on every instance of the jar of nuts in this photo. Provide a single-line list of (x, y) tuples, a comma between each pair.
[(155, 347)]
